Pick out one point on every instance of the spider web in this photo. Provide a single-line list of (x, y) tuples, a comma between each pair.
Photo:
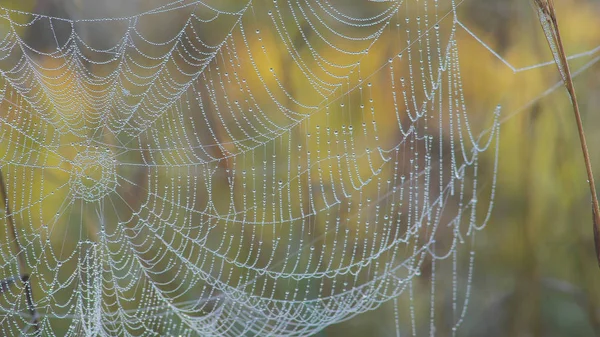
[(246, 169)]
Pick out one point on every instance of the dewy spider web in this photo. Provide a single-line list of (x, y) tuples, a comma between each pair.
[(246, 169)]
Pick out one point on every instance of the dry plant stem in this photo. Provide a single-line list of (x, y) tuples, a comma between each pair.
[(547, 8), (21, 260)]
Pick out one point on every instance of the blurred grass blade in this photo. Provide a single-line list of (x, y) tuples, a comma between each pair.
[(597, 235), (549, 23)]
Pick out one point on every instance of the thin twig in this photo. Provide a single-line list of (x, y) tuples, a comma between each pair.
[(21, 260), (547, 15)]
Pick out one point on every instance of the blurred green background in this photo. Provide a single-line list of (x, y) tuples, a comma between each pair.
[(535, 273), (535, 269)]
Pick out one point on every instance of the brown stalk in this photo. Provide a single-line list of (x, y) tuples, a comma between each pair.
[(21, 260), (547, 15)]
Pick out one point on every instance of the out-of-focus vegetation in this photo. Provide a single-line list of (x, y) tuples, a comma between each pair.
[(535, 270), (536, 273)]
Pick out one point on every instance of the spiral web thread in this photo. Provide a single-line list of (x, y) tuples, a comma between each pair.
[(246, 169)]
